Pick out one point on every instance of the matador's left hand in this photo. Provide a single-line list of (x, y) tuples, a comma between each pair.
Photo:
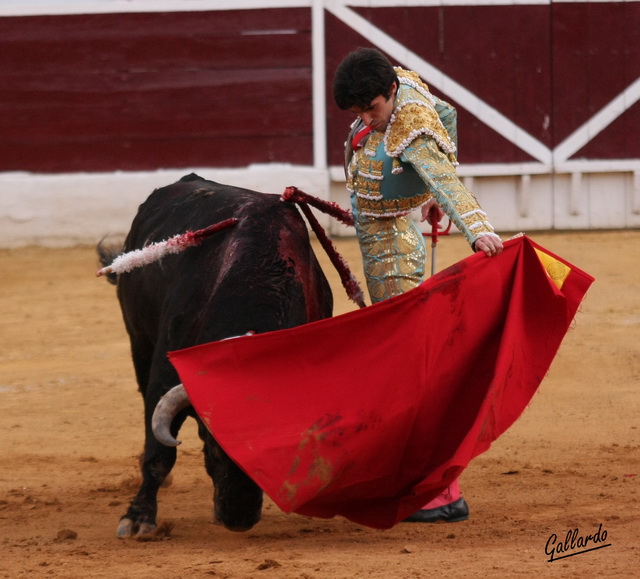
[(431, 212)]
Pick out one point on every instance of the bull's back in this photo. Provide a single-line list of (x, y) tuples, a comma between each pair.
[(259, 275), (189, 204)]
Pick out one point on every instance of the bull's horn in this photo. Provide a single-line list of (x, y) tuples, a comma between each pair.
[(166, 410)]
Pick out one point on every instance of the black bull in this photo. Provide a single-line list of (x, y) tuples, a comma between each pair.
[(260, 275)]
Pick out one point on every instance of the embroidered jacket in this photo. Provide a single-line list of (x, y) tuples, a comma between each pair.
[(414, 160)]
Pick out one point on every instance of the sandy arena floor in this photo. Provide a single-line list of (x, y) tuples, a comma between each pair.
[(72, 430)]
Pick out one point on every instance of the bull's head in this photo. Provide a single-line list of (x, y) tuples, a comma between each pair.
[(237, 499)]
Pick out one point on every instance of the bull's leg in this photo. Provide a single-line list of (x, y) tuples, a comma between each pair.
[(156, 464), (237, 500)]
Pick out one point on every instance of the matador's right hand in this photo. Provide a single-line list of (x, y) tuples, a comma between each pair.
[(490, 244)]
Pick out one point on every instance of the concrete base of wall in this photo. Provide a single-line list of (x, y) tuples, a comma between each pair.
[(80, 209)]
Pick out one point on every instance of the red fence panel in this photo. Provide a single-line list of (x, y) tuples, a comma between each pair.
[(229, 88), (596, 56), (549, 69), (105, 92)]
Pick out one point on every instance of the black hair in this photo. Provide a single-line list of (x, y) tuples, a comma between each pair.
[(363, 75)]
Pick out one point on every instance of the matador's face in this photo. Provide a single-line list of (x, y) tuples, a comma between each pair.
[(378, 113)]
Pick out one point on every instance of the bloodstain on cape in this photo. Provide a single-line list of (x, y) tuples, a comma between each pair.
[(371, 414)]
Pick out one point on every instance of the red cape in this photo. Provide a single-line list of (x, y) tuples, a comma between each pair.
[(371, 414)]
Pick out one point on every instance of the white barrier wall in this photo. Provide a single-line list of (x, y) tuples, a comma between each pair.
[(79, 209)]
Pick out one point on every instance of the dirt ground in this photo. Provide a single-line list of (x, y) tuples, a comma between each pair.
[(72, 431)]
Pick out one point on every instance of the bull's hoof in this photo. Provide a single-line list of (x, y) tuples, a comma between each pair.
[(239, 529), (236, 527), (128, 528)]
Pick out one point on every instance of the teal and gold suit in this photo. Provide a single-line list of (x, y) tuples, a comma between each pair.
[(389, 174)]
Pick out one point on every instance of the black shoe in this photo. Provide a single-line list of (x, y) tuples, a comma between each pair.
[(454, 512)]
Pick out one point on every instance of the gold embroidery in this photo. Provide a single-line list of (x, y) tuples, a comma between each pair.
[(371, 169), (412, 119), (372, 144), (441, 179), (375, 168), (390, 207), (365, 186), (393, 254), (556, 270), (413, 76)]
